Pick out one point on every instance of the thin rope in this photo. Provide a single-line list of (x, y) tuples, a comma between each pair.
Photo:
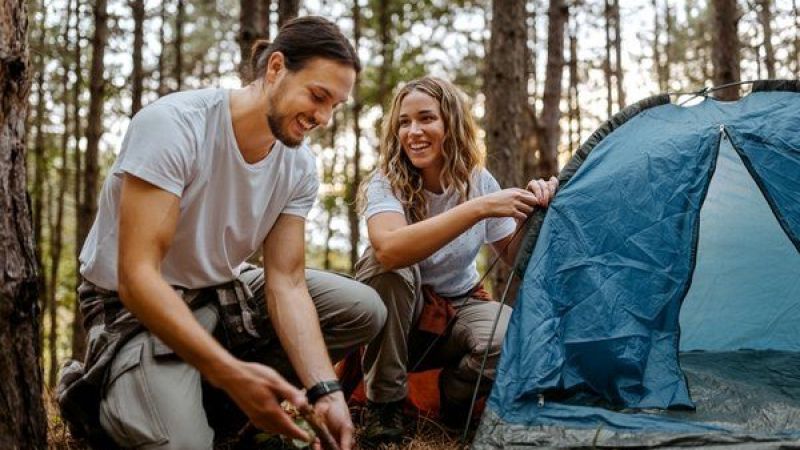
[(486, 356), (704, 92)]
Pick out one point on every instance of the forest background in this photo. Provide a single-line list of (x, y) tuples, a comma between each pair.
[(542, 75)]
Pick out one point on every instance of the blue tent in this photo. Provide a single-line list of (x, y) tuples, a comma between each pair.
[(660, 301)]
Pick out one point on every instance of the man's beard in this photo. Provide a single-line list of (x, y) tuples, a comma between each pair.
[(275, 121)]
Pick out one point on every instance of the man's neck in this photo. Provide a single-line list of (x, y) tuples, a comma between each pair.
[(248, 107)]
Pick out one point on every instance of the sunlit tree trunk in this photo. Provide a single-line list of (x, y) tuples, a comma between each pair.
[(23, 423), (574, 100), (94, 131), (796, 11), (329, 176), (77, 133), (137, 78), (725, 54), (162, 42), (607, 67), (354, 180), (180, 17), (658, 66), (386, 50), (558, 13), (618, 71), (507, 109), (57, 225), (765, 19)]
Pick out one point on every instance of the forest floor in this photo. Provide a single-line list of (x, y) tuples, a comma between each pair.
[(427, 435)]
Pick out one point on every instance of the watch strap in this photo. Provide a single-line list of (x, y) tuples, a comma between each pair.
[(322, 389)]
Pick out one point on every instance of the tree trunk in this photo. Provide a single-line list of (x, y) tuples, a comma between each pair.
[(162, 41), (725, 55), (765, 19), (94, 131), (618, 71), (330, 201), (551, 113), (77, 326), (574, 102), (287, 10), (355, 179), (39, 150), (23, 423), (531, 54), (253, 25), (796, 36), (56, 245), (137, 80), (387, 61), (56, 228), (607, 70), (506, 91), (507, 109), (657, 64), (180, 16), (669, 24)]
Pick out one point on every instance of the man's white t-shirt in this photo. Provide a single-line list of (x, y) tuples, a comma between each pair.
[(452, 270), (184, 143)]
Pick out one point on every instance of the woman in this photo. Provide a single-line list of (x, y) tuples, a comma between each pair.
[(430, 206)]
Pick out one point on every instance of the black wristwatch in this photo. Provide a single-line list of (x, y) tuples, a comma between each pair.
[(322, 389)]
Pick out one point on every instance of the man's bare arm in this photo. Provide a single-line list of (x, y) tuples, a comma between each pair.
[(295, 318), (148, 219)]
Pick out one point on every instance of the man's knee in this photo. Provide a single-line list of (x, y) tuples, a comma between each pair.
[(154, 403)]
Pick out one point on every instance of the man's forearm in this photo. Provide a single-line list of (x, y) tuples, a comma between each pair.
[(158, 307), (296, 322)]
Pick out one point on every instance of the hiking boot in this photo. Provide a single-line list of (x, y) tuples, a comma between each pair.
[(452, 415), (383, 423)]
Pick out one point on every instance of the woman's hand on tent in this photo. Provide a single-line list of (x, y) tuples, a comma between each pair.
[(512, 202), (544, 191)]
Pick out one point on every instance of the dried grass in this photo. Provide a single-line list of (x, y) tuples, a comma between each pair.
[(426, 434)]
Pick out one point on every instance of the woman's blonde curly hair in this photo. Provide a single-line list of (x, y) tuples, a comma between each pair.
[(459, 149)]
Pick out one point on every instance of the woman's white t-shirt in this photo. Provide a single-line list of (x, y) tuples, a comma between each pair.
[(452, 270)]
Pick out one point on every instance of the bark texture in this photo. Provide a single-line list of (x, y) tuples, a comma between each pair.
[(287, 10), (180, 18), (726, 47), (506, 92), (355, 178), (765, 19), (253, 25), (22, 417), (94, 131), (550, 131), (137, 78), (508, 114)]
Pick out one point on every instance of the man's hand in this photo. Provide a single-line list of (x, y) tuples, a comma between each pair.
[(258, 391), (333, 409)]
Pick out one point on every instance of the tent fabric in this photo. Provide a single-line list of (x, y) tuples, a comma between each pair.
[(637, 247), (738, 249)]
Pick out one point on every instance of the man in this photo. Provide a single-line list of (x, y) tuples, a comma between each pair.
[(203, 179)]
